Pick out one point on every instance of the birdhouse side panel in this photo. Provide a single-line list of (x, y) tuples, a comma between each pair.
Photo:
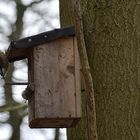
[(54, 79), (77, 79), (18, 54), (31, 102)]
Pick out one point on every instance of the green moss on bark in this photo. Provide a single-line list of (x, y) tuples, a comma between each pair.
[(112, 35)]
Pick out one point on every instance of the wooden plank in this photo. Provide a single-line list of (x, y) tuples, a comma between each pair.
[(54, 79), (31, 105), (17, 54), (77, 79), (57, 122)]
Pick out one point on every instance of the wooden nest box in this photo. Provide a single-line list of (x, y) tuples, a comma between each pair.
[(54, 77)]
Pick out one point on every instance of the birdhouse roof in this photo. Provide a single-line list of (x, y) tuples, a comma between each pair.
[(19, 49)]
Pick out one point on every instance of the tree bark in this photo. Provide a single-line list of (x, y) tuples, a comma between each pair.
[(112, 38), (87, 77), (15, 118), (57, 133)]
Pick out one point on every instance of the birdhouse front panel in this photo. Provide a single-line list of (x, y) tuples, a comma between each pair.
[(56, 93), (53, 92)]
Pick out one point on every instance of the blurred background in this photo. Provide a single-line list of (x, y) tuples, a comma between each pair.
[(18, 19)]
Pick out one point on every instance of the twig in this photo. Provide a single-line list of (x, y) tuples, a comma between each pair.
[(86, 71), (12, 108), (16, 83), (34, 2)]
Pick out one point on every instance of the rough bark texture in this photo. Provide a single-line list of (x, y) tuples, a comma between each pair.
[(87, 77), (66, 13), (112, 36)]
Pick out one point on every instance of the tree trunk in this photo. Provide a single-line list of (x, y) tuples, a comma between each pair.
[(112, 37), (15, 117), (57, 133)]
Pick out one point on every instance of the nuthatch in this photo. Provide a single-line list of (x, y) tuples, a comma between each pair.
[(3, 64), (28, 92)]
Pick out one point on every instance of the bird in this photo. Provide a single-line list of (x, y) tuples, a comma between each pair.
[(4, 64)]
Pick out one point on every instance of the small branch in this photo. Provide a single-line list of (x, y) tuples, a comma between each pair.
[(92, 129), (35, 2), (57, 133), (16, 83), (3, 122), (12, 108), (24, 114)]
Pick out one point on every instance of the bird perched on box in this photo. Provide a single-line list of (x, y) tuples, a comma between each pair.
[(3, 64)]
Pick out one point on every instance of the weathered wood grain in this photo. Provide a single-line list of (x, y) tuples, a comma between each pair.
[(55, 73), (77, 79)]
